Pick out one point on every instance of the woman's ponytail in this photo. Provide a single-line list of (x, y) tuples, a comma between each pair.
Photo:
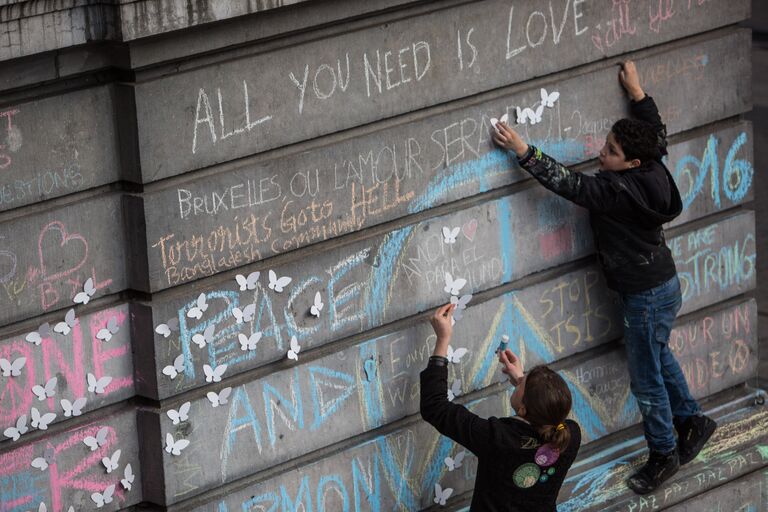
[(558, 436), (547, 401)]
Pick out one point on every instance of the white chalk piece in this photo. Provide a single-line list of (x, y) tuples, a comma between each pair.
[(12, 369), (14, 433), (455, 462), (106, 333), (103, 498), (88, 291), (441, 495), (317, 307), (244, 315), (98, 386), (175, 447), (73, 408), (450, 234), (111, 463), (453, 286), (173, 370), (455, 390), (97, 441), (249, 342), (219, 398), (461, 304), (45, 391), (66, 326), (181, 415), (212, 375), (454, 356), (247, 283), (41, 421), (293, 352), (197, 311), (201, 340), (278, 284)]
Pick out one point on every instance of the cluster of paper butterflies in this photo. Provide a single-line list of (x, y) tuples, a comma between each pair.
[(528, 114), (442, 495), (40, 420)]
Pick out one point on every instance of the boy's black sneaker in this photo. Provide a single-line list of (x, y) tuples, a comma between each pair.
[(657, 469), (693, 433)]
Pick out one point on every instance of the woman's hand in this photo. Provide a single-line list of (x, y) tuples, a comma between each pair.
[(441, 323), (508, 138), (630, 80), (513, 367)]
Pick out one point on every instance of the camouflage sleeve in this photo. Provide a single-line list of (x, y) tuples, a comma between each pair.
[(646, 110)]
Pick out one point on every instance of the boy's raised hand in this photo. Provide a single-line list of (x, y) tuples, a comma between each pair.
[(507, 138), (441, 323), (513, 367), (631, 81)]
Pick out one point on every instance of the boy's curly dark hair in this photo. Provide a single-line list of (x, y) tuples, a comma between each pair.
[(638, 139)]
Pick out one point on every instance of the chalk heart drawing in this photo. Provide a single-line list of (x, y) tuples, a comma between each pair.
[(55, 234), (469, 229)]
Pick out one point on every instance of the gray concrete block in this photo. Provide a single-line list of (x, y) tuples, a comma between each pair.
[(69, 359), (236, 108), (47, 257), (75, 472)]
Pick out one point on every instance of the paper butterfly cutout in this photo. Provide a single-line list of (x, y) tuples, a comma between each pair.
[(36, 337), (197, 311), (317, 307), (12, 369), (110, 463), (293, 352), (534, 116), (245, 314), (73, 408), (249, 343), (219, 398), (455, 462), (69, 322), (453, 286), (106, 333), (548, 100), (461, 304), (212, 375), (504, 119), (43, 508), (41, 421), (247, 283), (46, 391), (97, 441), (173, 370), (181, 415), (278, 284), (128, 477), (175, 447), (98, 385), (88, 291), (441, 495), (43, 462), (206, 337), (101, 499), (450, 234), (455, 390), (454, 356), (14, 433), (166, 328)]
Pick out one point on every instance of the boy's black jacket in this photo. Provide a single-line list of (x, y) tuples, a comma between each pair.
[(627, 209), (502, 445)]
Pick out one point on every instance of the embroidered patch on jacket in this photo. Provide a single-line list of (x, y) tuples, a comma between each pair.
[(526, 475)]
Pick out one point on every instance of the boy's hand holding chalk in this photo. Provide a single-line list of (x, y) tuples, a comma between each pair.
[(513, 367)]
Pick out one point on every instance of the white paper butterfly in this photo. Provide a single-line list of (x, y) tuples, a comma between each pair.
[(455, 390), (98, 385), (97, 441), (73, 408), (548, 100), (20, 429), (69, 322), (166, 328), (249, 343), (106, 333), (88, 291), (317, 307), (40, 463), (455, 462), (453, 286), (247, 283), (212, 375), (41, 421), (522, 114), (293, 352), (461, 304), (454, 356), (178, 366), (36, 337), (441, 495), (278, 284), (245, 314), (12, 369), (110, 463), (46, 391), (181, 415), (101, 499), (198, 310), (175, 447), (504, 119), (450, 234), (206, 337), (535, 115), (43, 508), (128, 477), (220, 398)]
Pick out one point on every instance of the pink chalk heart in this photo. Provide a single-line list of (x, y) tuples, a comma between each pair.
[(71, 250), (469, 229)]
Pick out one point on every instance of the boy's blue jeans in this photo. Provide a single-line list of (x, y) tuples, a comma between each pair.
[(656, 380)]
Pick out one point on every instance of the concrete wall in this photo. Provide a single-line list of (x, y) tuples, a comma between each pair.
[(331, 142)]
